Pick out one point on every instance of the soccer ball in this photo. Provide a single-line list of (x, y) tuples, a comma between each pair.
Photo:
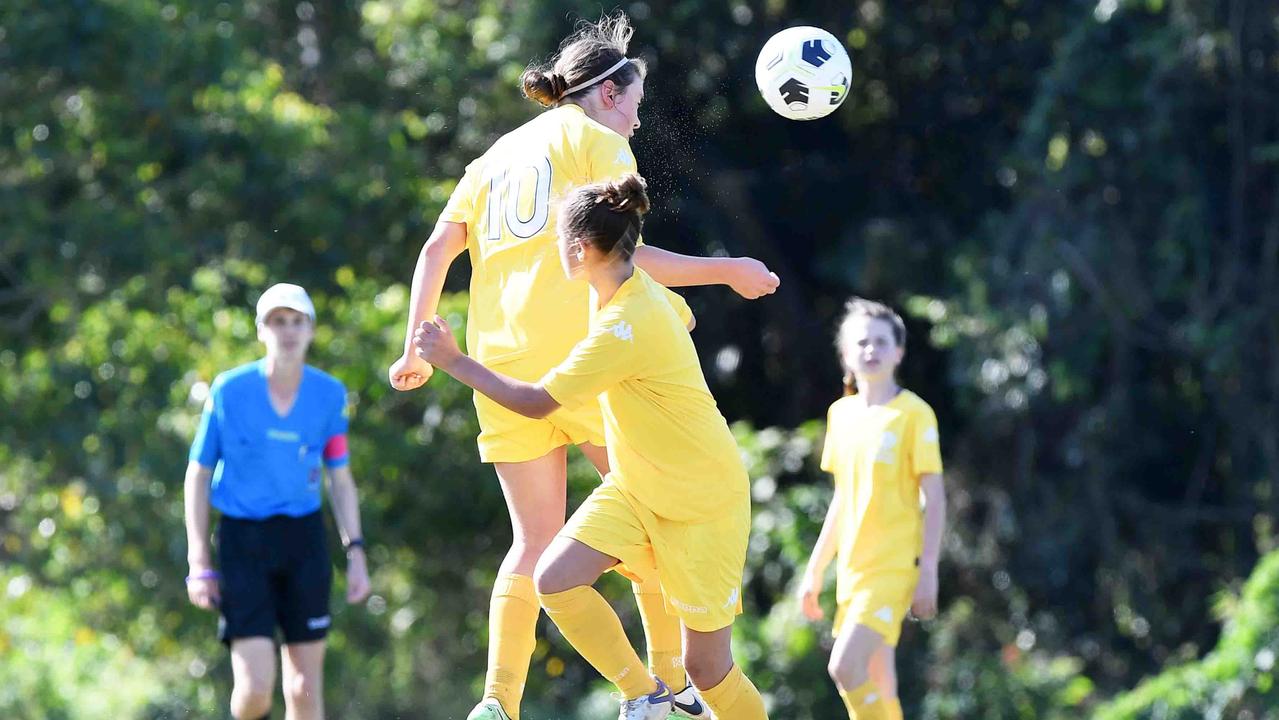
[(803, 73)]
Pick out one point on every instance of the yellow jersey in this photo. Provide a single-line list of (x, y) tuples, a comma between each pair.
[(524, 313), (877, 454), (668, 445)]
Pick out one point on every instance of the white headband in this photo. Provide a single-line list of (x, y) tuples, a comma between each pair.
[(582, 85)]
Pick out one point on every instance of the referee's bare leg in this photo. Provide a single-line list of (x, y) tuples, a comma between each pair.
[(303, 680), (253, 668)]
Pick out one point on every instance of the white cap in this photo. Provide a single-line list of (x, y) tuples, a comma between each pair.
[(285, 295)]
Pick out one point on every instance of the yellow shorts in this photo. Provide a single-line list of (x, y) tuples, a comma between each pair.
[(507, 436), (699, 565), (879, 600)]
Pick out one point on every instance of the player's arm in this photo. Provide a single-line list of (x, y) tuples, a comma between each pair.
[(924, 603), (609, 155), (346, 512), (202, 585), (747, 277), (823, 552), (435, 344), (447, 241)]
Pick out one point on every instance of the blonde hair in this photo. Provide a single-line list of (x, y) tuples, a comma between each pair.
[(861, 307), (592, 49)]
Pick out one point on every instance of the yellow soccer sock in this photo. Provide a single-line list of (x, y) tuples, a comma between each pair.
[(735, 697), (892, 708), (591, 626), (662, 633), (865, 703), (513, 612)]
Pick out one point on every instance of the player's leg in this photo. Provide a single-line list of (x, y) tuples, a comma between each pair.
[(253, 675), (850, 669), (564, 584), (883, 673), (535, 499), (303, 674), (708, 658), (661, 629)]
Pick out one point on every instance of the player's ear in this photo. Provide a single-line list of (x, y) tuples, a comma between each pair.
[(608, 94)]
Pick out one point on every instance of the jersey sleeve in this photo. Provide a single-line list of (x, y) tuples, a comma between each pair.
[(604, 358), (925, 450), (206, 449), (679, 304), (335, 450), (830, 447), (461, 205)]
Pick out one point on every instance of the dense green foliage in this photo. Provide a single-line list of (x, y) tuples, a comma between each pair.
[(1075, 202)]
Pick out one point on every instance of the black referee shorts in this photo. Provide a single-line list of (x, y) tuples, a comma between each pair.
[(275, 573)]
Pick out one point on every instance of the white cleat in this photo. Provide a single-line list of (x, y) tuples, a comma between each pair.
[(689, 704), (490, 709), (656, 705)]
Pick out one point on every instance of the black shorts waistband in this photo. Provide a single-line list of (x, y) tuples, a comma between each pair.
[(277, 520)]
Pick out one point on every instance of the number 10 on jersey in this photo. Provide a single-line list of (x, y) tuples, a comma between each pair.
[(519, 198)]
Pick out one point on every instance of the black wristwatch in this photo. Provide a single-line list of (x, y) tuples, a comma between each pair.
[(353, 543)]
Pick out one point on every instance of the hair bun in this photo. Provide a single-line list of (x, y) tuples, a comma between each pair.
[(542, 87), (627, 194)]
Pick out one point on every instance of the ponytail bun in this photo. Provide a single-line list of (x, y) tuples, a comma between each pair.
[(628, 194), (543, 88)]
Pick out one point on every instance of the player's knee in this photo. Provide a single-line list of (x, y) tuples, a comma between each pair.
[(250, 698), (549, 577), (706, 671), (847, 671), (303, 689)]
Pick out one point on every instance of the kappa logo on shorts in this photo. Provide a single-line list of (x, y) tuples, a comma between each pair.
[(679, 604), (732, 599), (318, 623), (623, 331), (885, 614)]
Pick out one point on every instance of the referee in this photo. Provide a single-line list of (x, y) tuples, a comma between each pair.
[(267, 429)]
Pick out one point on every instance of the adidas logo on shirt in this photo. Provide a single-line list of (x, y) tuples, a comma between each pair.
[(885, 614)]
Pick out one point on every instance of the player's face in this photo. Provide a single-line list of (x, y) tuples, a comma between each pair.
[(870, 349), (621, 113), (286, 333)]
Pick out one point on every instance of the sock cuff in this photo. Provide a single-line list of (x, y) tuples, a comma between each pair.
[(519, 587), (727, 688), (566, 600), (651, 587), (861, 695)]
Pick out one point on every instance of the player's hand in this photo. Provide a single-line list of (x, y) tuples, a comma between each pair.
[(204, 592), (434, 343), (924, 603), (752, 279), (410, 372), (357, 576), (809, 588)]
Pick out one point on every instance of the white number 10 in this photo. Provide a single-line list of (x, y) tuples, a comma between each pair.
[(502, 193)]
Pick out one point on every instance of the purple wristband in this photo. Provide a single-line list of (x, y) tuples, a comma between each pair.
[(203, 575)]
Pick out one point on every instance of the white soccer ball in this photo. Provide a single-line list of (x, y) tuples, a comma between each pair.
[(803, 73)]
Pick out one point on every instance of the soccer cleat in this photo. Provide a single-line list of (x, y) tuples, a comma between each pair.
[(653, 706), (689, 704), (490, 709)]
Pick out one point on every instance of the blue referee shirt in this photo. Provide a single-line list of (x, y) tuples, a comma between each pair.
[(263, 463)]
